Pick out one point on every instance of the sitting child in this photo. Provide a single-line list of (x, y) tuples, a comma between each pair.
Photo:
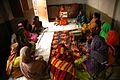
[(56, 21)]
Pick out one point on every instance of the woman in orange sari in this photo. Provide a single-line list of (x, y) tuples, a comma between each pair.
[(63, 16)]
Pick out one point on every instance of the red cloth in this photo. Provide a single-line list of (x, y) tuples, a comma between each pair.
[(63, 21), (62, 65), (111, 56), (112, 38)]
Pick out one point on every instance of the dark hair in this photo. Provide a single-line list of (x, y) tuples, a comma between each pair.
[(36, 17), (25, 22), (97, 15), (98, 22), (97, 28)]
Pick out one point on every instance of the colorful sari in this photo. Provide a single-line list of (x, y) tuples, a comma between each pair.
[(22, 38), (98, 56), (13, 61), (62, 65)]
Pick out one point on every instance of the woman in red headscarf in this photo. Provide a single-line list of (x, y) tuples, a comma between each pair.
[(112, 41)]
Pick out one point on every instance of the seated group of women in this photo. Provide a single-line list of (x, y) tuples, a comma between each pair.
[(101, 44), (101, 41), (26, 35), (102, 47)]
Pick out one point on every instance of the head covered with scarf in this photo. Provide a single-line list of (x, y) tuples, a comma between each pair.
[(33, 67), (113, 38), (104, 31)]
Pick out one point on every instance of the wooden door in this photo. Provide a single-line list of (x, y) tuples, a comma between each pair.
[(40, 9)]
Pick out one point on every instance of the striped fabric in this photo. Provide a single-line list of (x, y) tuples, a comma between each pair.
[(62, 69), (62, 66)]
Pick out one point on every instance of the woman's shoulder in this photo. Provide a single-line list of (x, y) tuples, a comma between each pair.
[(99, 38)]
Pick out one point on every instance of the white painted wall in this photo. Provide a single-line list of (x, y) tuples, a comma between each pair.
[(105, 6), (57, 2), (117, 13)]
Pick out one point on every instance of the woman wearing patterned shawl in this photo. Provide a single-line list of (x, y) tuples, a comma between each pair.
[(11, 62), (105, 28), (62, 65), (98, 55), (33, 67)]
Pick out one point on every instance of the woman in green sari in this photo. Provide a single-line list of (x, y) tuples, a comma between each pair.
[(104, 30)]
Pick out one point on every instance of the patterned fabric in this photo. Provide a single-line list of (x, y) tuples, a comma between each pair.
[(11, 58), (99, 49), (104, 31), (66, 38), (62, 65), (98, 56)]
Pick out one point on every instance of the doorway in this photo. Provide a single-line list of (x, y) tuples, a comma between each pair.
[(40, 9)]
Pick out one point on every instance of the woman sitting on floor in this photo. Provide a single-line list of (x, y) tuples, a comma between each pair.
[(63, 16), (13, 68), (104, 30), (112, 41), (62, 65), (92, 24), (81, 18), (27, 31), (32, 65), (37, 25), (98, 58)]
